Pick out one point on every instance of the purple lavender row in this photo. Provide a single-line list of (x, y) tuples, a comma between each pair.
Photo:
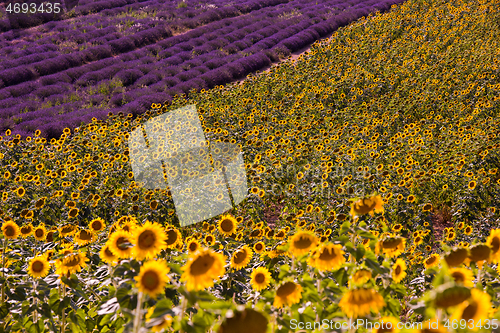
[(236, 68)]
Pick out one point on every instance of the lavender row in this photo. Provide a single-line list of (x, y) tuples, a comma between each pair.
[(195, 75)]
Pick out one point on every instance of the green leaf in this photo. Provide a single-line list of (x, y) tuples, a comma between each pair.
[(360, 252)]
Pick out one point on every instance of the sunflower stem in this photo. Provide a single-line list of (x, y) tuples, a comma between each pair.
[(137, 319), (35, 315), (63, 323), (183, 309), (3, 266)]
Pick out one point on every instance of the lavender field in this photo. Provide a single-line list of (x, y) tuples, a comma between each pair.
[(123, 55)]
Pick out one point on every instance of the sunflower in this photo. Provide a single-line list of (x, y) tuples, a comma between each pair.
[(328, 257), (38, 267), (148, 240), (462, 276), (73, 212), (369, 205), (40, 232), (386, 325), (192, 244), (26, 230), (209, 239), (288, 293), (468, 230), (493, 242), (10, 230), (259, 247), (118, 244), (227, 225), (152, 277), (84, 237), (360, 277), (241, 257), (432, 260), (160, 325), (456, 256), (302, 242), (106, 255), (476, 309), (246, 321), (72, 263), (358, 302), (202, 268), (260, 278), (68, 230), (97, 225), (173, 237), (399, 270), (391, 246)]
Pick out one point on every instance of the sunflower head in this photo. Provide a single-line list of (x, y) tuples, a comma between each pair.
[(10, 230), (327, 257), (241, 257), (202, 268), (148, 240), (368, 205), (97, 225), (227, 225), (288, 293), (399, 270), (26, 230), (173, 238), (302, 242), (38, 267), (40, 232), (360, 302), (246, 321), (260, 278), (456, 256), (120, 244), (152, 277), (107, 256)]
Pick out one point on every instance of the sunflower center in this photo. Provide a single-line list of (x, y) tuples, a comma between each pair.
[(459, 277), (495, 243), (108, 252), (171, 237), (37, 266), (430, 261), (120, 243), (73, 260), (226, 225), (303, 243), (209, 239), (258, 247), (147, 239), (285, 290), (391, 243), (398, 270), (96, 225), (9, 231), (260, 278), (202, 264), (240, 256), (470, 311), (66, 230), (192, 247), (25, 230), (150, 280), (360, 297), (85, 235), (327, 255), (39, 233)]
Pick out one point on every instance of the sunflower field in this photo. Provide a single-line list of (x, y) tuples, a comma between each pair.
[(372, 163)]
